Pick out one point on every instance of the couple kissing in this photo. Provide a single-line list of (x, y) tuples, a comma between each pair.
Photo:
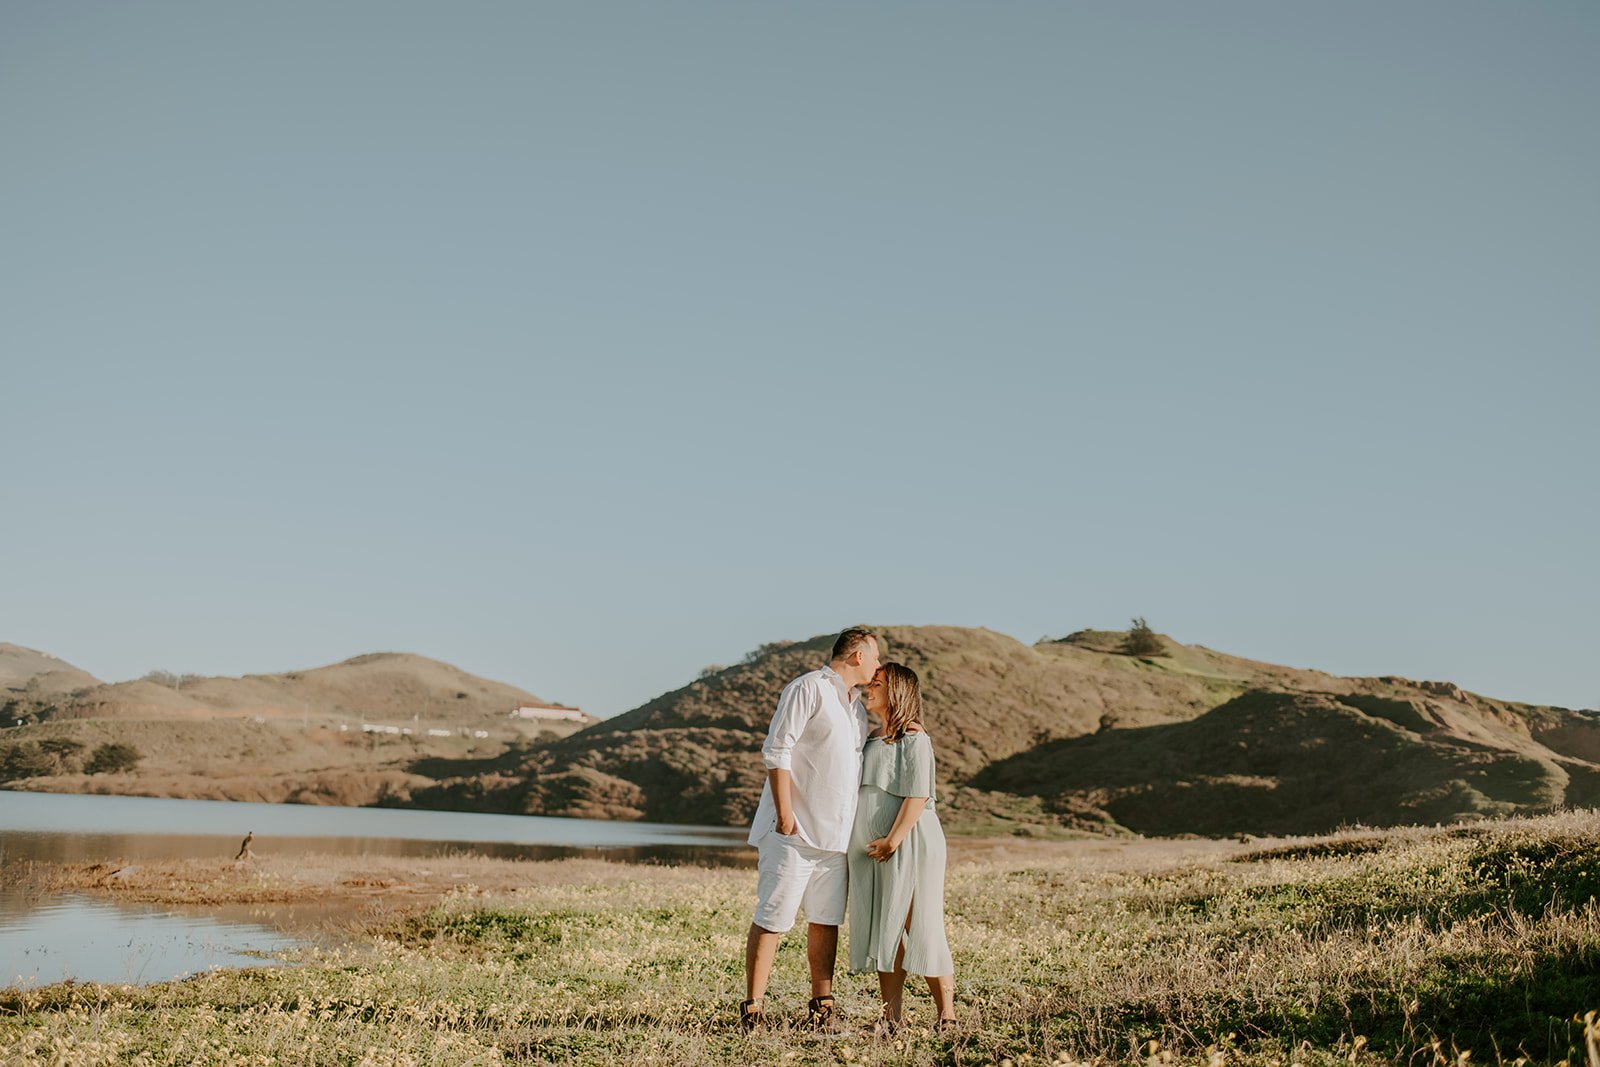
[(847, 822)]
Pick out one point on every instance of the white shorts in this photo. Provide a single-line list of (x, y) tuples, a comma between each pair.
[(791, 875)]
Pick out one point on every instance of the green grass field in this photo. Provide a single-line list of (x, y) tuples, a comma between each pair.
[(1473, 944)]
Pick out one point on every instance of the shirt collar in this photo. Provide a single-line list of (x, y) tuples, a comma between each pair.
[(833, 676)]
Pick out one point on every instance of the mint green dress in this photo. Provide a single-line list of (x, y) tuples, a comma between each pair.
[(881, 894)]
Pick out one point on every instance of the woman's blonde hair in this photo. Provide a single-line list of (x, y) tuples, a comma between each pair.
[(904, 695)]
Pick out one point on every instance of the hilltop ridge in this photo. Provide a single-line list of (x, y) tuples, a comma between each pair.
[(40, 673), (386, 685)]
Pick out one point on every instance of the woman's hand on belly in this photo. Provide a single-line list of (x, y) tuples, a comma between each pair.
[(882, 849)]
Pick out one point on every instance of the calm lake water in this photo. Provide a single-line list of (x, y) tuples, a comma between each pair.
[(68, 828), (46, 939), (51, 939)]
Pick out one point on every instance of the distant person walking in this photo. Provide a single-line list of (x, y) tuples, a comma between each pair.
[(897, 854), (802, 825)]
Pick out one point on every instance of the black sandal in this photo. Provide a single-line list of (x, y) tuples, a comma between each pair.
[(751, 1015), (821, 1010)]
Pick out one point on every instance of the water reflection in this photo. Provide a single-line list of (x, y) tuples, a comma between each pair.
[(51, 939), (70, 828), (57, 813), (24, 846)]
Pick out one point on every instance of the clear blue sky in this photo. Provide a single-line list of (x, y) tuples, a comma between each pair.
[(584, 345)]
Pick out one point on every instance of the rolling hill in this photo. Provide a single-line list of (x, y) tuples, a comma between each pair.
[(1071, 734), (1061, 736), (388, 686), (366, 730)]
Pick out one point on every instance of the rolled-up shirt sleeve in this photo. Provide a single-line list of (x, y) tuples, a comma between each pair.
[(795, 708)]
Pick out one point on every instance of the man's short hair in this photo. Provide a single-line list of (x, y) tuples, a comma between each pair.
[(852, 640)]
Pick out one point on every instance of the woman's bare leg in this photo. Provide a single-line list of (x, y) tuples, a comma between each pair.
[(891, 990), (892, 984), (943, 991)]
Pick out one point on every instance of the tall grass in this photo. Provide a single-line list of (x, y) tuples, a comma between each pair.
[(1478, 944)]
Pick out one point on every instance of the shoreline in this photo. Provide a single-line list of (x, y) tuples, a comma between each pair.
[(314, 892)]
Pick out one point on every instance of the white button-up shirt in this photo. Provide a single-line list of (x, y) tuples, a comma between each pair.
[(816, 735)]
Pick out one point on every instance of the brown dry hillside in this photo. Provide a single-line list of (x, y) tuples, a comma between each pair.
[(688, 754), (1066, 734), (379, 686), (30, 674), (295, 737), (1074, 734), (1275, 761)]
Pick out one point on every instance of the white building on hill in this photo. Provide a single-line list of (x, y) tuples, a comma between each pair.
[(548, 713)]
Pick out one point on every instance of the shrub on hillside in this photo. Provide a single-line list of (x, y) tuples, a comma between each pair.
[(170, 680), (756, 654), (1142, 641), (114, 757), (64, 749), (24, 713), (25, 759)]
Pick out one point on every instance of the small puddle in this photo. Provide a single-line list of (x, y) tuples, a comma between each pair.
[(48, 939)]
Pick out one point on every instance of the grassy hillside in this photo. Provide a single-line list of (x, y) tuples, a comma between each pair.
[(1072, 734), (1474, 944)]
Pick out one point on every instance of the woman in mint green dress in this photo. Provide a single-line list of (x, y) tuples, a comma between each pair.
[(897, 853)]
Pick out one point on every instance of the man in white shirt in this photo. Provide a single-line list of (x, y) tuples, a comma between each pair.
[(802, 826)]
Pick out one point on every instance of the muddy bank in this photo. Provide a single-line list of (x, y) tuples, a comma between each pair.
[(353, 789)]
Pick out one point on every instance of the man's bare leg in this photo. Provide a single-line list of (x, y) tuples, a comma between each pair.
[(760, 949), (822, 951)]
